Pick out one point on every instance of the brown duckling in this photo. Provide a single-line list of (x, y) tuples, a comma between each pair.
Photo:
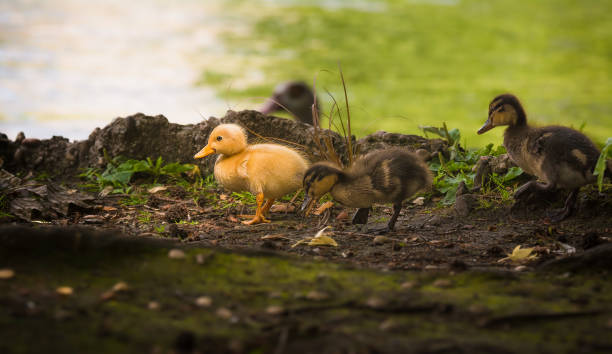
[(266, 170), (561, 157), (296, 97), (384, 176)]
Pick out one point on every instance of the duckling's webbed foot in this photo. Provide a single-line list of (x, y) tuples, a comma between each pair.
[(361, 216), (568, 208), (259, 212)]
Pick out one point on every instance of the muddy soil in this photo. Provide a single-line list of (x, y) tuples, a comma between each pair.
[(426, 237), (429, 241)]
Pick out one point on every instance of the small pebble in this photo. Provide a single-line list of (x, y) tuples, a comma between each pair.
[(379, 240), (176, 254), (442, 283), (203, 301), (153, 305), (224, 313), (478, 309), (316, 295), (93, 219), (120, 286), (520, 268), (388, 325), (275, 310), (347, 254), (408, 285), (375, 302), (64, 290)]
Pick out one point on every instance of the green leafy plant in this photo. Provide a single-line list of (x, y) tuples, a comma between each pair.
[(119, 173), (144, 217), (601, 166), (449, 173)]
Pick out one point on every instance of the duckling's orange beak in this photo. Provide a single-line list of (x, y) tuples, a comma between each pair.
[(204, 152), (486, 127)]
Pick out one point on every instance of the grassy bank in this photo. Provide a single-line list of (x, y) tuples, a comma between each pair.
[(411, 63)]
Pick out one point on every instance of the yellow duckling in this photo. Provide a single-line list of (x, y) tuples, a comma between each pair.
[(269, 171), (383, 176)]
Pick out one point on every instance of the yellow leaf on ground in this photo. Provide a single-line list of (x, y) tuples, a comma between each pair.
[(320, 239), (520, 255), (300, 242), (323, 241)]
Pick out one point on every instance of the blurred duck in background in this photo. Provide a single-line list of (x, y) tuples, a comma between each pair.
[(294, 97)]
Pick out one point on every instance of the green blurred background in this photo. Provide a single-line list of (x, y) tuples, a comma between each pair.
[(67, 66), (411, 63)]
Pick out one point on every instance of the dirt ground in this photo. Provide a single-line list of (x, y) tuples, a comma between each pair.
[(426, 237)]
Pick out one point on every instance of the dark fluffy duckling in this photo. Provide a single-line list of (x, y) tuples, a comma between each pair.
[(293, 96), (561, 157), (384, 176)]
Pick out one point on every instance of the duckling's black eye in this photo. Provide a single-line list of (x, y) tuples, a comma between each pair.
[(219, 138)]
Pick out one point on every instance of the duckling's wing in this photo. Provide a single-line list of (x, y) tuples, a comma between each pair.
[(242, 168), (565, 144)]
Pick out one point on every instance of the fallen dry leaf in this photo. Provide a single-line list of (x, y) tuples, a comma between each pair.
[(6, 273), (157, 189), (519, 255), (64, 290), (320, 239), (343, 215), (419, 201), (323, 241), (323, 207)]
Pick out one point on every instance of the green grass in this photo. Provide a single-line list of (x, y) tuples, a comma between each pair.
[(414, 63)]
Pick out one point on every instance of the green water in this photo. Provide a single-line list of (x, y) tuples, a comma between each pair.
[(411, 63)]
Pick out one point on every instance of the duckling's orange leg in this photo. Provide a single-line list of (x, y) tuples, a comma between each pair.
[(259, 217), (266, 208)]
